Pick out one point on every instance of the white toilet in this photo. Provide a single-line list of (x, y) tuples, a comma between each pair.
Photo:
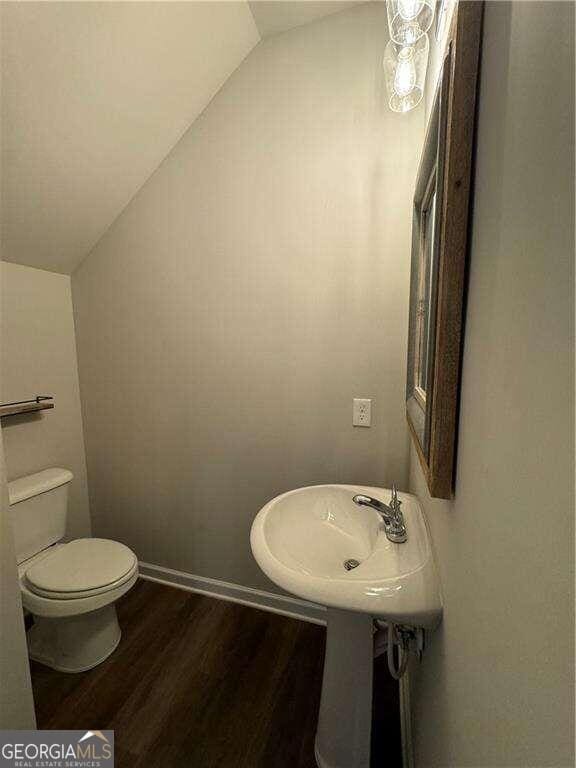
[(69, 588)]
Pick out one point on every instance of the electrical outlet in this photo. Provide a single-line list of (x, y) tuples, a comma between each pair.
[(361, 412)]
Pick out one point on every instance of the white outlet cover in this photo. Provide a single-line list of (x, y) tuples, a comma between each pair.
[(361, 412)]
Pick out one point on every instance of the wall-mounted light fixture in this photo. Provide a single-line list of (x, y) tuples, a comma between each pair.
[(405, 73), (409, 20)]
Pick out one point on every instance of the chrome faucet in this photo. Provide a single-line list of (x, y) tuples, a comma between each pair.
[(391, 515)]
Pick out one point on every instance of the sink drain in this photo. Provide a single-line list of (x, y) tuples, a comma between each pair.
[(351, 564)]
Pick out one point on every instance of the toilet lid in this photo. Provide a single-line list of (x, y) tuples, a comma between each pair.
[(81, 566)]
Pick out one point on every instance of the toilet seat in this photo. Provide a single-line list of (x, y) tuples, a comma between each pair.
[(82, 569)]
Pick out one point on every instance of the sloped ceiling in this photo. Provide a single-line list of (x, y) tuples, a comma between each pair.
[(273, 16), (94, 96)]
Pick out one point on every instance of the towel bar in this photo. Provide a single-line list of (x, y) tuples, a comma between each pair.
[(39, 403)]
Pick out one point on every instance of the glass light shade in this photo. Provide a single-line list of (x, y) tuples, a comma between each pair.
[(405, 73), (409, 20)]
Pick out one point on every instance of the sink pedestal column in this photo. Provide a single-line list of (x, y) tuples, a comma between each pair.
[(345, 720)]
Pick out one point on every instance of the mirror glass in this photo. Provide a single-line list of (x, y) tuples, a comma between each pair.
[(423, 280)]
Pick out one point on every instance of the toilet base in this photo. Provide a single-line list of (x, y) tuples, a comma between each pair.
[(74, 643)]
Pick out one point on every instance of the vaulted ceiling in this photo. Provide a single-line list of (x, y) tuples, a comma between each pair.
[(273, 16), (95, 95)]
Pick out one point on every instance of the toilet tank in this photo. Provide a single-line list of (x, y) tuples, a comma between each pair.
[(38, 506)]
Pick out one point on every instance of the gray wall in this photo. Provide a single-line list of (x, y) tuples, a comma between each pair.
[(16, 702), (256, 284), (495, 687), (38, 356)]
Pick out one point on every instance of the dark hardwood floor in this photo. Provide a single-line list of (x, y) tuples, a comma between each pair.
[(203, 683)]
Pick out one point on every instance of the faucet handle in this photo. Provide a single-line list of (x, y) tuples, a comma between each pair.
[(395, 501)]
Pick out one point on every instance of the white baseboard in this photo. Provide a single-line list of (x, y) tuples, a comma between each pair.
[(406, 721), (223, 590)]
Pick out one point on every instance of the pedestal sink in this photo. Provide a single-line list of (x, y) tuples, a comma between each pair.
[(318, 544)]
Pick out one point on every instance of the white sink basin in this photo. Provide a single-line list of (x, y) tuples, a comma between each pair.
[(302, 539)]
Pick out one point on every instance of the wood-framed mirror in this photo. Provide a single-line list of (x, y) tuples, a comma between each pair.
[(439, 249)]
